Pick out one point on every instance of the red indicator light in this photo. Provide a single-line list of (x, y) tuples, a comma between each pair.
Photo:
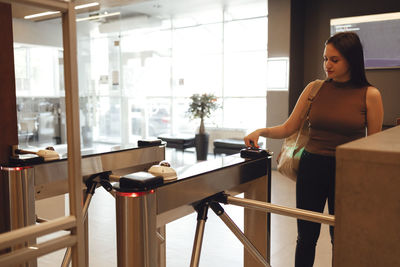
[(134, 194), (14, 168)]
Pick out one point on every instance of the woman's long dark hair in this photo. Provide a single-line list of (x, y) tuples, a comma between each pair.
[(349, 45)]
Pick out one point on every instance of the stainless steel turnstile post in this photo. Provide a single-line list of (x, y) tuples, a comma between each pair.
[(21, 202), (136, 229), (47, 179)]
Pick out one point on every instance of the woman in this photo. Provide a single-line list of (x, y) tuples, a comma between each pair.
[(346, 108)]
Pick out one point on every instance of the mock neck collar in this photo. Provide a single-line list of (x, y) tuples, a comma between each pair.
[(341, 84)]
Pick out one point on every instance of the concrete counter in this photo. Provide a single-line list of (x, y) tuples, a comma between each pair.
[(367, 207)]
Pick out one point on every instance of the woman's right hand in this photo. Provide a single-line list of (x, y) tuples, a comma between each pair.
[(251, 140)]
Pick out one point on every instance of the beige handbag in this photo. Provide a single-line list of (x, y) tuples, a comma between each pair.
[(293, 146)]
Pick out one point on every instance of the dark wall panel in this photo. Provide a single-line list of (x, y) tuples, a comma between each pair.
[(297, 16), (317, 15), (8, 111)]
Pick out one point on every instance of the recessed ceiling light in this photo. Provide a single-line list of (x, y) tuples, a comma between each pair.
[(47, 13), (87, 5), (99, 16)]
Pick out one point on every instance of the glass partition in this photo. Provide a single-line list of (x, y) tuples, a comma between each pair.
[(138, 68), (40, 95)]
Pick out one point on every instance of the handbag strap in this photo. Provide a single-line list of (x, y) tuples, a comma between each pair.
[(314, 91)]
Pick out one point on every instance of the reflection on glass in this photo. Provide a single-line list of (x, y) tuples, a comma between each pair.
[(182, 123), (149, 117), (109, 119), (162, 61), (208, 166), (40, 95), (137, 71)]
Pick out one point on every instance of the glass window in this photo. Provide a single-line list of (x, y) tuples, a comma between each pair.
[(209, 15), (246, 35), (197, 60), (182, 122), (36, 70), (109, 120), (197, 74), (278, 73), (148, 74), (144, 67), (159, 116), (249, 113), (39, 91), (245, 67), (149, 117), (137, 71), (252, 9), (245, 74), (198, 40), (136, 119)]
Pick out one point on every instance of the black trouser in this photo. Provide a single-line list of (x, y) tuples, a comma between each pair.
[(315, 184)]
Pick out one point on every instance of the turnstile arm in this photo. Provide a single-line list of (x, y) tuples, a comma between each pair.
[(282, 210)]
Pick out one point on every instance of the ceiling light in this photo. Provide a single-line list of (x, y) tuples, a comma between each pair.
[(87, 5), (99, 16), (47, 13)]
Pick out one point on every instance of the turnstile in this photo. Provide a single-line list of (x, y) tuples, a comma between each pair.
[(141, 214), (27, 183)]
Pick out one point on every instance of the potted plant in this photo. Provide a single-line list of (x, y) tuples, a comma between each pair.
[(201, 107)]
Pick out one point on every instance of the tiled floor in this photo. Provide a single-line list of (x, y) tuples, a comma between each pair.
[(220, 246)]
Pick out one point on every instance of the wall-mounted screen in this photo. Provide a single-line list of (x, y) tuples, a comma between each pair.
[(379, 34)]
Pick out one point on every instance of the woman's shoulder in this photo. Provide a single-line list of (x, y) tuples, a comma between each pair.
[(316, 82), (372, 90), (373, 93), (313, 86)]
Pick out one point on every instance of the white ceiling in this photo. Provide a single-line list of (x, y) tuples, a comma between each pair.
[(148, 7)]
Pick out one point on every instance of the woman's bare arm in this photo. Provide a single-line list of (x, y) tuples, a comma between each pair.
[(288, 127), (374, 111)]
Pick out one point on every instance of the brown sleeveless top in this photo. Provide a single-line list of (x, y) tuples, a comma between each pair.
[(337, 116)]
